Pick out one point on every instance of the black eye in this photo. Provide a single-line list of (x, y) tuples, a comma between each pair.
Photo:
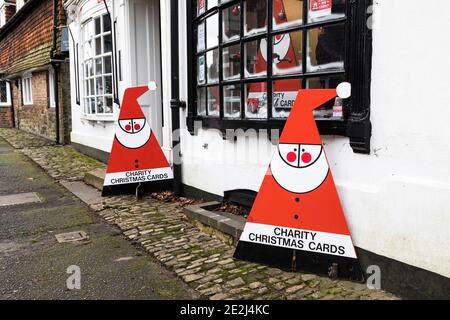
[(303, 150)]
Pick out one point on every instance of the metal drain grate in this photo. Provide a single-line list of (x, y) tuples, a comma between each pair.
[(72, 237)]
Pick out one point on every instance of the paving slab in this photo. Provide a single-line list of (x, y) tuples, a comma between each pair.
[(20, 198)]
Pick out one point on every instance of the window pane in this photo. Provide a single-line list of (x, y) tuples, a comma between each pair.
[(232, 62), (106, 23), (231, 23), (321, 10), (201, 101), (331, 110), (212, 3), (88, 50), (213, 101), (86, 105), (98, 66), (256, 100), (107, 63), (92, 87), (201, 70), (232, 101), (201, 7), (287, 13), (108, 84), (287, 53), (99, 86), (100, 108), (3, 92), (108, 105), (255, 64), (284, 95), (255, 16), (212, 31), (86, 88), (212, 63), (107, 44), (201, 37), (97, 26), (92, 105), (326, 48), (98, 46)]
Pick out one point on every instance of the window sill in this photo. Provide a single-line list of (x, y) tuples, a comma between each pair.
[(98, 118), (5, 106), (326, 127)]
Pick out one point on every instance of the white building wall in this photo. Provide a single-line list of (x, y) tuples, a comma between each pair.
[(100, 134), (95, 134), (396, 200)]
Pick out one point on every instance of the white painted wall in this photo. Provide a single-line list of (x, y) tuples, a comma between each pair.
[(396, 199), (137, 39)]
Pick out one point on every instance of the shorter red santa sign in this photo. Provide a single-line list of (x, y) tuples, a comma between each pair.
[(136, 156), (297, 221)]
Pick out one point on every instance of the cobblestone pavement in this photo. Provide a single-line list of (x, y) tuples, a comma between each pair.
[(201, 260)]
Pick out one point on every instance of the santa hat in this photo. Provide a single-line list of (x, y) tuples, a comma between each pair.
[(301, 126), (130, 106)]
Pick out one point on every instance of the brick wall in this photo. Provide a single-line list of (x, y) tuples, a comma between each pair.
[(6, 117), (10, 10), (27, 43), (37, 118)]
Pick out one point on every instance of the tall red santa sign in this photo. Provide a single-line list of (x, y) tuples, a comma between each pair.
[(136, 156), (297, 221)]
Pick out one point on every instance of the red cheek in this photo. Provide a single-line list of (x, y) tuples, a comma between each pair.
[(137, 127), (128, 127), (306, 157), (291, 157)]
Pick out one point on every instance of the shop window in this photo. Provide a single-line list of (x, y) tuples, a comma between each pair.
[(5, 95), (248, 67), (96, 67), (27, 90)]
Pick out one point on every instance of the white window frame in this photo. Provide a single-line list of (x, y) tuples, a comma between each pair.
[(27, 90), (20, 4), (51, 88), (2, 15), (87, 33), (6, 103)]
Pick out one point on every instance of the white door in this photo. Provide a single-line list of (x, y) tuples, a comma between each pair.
[(145, 57)]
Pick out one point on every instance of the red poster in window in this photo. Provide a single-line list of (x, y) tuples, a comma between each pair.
[(284, 59), (320, 8), (201, 7), (297, 221), (136, 156)]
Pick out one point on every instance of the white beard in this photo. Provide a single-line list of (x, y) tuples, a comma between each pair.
[(134, 140), (299, 180)]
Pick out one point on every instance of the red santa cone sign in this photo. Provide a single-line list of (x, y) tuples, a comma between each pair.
[(297, 221), (136, 156)]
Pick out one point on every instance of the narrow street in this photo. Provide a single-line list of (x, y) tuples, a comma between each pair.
[(33, 265)]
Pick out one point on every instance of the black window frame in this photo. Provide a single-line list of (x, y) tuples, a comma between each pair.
[(357, 69)]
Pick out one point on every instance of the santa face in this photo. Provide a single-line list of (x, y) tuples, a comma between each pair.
[(299, 168), (281, 44), (134, 133)]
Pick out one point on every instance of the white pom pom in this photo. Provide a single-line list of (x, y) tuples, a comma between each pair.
[(344, 90), (152, 86)]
